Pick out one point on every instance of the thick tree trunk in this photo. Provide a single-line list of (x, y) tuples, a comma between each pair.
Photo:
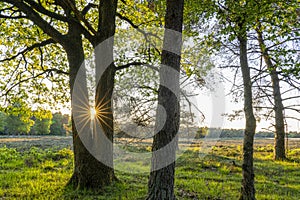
[(248, 190), (279, 146), (93, 153), (89, 172), (105, 73), (161, 180)]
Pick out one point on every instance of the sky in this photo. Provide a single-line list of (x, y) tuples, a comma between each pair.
[(214, 103)]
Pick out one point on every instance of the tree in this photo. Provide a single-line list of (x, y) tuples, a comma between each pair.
[(18, 124), (18, 120), (62, 24), (278, 27), (41, 125), (278, 105), (161, 180), (248, 190), (237, 21), (50, 17), (57, 125), (2, 122), (235, 18)]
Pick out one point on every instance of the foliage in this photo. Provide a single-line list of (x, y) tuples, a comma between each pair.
[(59, 121), (2, 122), (29, 74), (41, 126), (18, 124), (33, 122)]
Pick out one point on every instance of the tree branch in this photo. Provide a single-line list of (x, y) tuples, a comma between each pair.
[(41, 9), (30, 48), (34, 77), (146, 34), (37, 19), (87, 8), (136, 64), (288, 98), (80, 17)]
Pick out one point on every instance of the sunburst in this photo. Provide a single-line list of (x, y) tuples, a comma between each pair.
[(102, 111), (89, 114), (93, 113)]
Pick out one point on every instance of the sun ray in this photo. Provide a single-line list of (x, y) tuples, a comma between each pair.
[(102, 99), (105, 112), (83, 114), (82, 117), (86, 99), (103, 116), (103, 109), (80, 108), (81, 103), (102, 120), (83, 126), (102, 106), (83, 121)]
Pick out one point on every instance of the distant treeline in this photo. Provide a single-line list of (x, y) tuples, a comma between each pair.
[(59, 124), (227, 133), (53, 124)]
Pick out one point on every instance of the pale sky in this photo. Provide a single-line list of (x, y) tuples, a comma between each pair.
[(214, 103)]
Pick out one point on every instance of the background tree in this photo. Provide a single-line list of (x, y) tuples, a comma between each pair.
[(18, 124), (41, 124), (281, 15), (234, 18), (273, 47), (57, 125), (161, 181), (2, 122)]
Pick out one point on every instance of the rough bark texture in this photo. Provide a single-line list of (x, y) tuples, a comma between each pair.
[(248, 190), (279, 118), (161, 180), (279, 146), (104, 90), (87, 169), (90, 172)]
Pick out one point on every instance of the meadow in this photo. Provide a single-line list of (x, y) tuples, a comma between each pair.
[(40, 167)]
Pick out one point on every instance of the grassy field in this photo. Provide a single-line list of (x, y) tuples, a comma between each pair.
[(40, 167)]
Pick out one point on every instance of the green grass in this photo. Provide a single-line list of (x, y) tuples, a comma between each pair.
[(42, 173)]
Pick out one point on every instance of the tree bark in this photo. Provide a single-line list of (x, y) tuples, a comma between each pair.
[(279, 118), (279, 145), (88, 171), (248, 190), (161, 180), (94, 163)]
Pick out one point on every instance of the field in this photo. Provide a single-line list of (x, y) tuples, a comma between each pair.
[(40, 167)]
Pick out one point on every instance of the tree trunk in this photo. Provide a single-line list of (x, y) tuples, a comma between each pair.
[(279, 118), (89, 172), (161, 180), (248, 190), (93, 153), (279, 146)]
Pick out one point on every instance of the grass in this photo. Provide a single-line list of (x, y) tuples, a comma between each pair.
[(38, 170)]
